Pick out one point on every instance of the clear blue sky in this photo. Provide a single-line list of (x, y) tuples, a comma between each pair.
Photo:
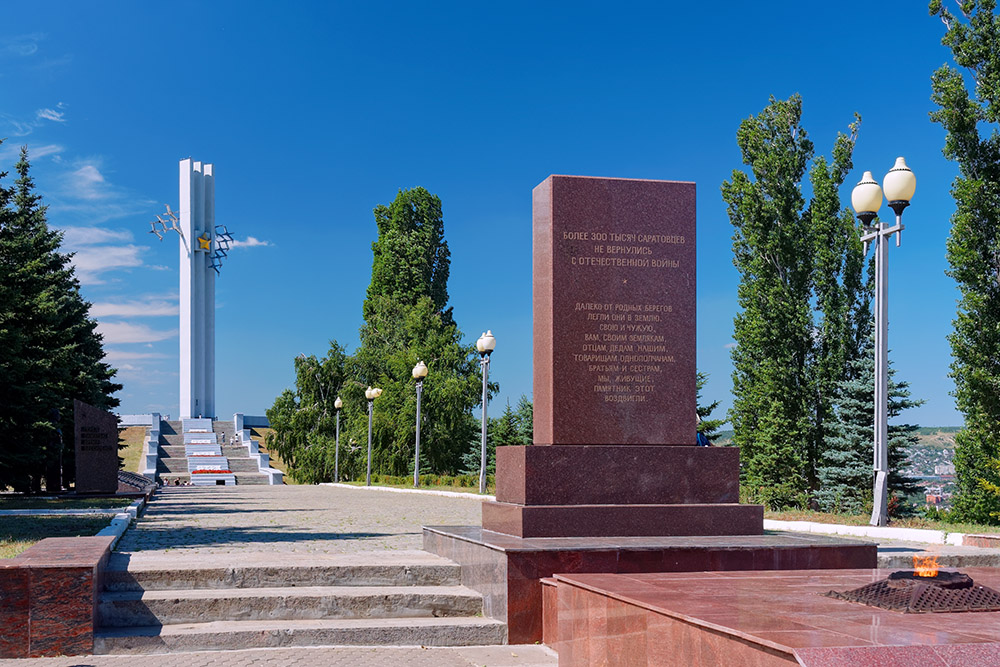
[(315, 112)]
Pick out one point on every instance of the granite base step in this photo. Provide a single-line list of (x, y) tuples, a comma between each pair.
[(133, 572), (222, 635), (170, 607)]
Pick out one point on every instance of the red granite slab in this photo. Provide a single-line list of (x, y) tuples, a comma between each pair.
[(614, 311), (763, 618), (15, 587), (622, 520), (508, 570), (565, 475), (49, 597)]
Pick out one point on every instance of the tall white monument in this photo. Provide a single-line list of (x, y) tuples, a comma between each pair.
[(197, 269)]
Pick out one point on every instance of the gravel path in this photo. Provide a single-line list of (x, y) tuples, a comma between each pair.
[(291, 519)]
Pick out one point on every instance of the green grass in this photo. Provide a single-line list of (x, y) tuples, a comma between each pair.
[(17, 533), (463, 484), (12, 501), (131, 437), (862, 520)]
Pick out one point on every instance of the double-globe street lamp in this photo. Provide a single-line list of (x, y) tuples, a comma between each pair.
[(337, 404), (899, 185), (419, 373), (486, 344), (371, 394)]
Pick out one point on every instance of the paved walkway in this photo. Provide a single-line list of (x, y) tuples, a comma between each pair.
[(291, 519), (347, 656)]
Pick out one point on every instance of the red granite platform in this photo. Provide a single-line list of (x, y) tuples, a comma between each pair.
[(508, 570), (759, 619)]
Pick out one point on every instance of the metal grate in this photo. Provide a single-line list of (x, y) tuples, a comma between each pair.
[(908, 593)]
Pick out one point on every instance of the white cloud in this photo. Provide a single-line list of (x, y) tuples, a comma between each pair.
[(92, 261), (52, 114), (115, 356), (21, 45), (150, 306), (730, 346), (75, 237), (125, 332), (87, 182), (251, 242)]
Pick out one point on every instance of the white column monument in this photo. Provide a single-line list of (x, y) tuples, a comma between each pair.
[(197, 290)]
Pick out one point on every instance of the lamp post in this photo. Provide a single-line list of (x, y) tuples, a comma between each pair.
[(485, 345), (337, 404), (419, 373), (371, 394), (899, 185)]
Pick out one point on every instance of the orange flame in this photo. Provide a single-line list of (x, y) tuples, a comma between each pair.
[(925, 566)]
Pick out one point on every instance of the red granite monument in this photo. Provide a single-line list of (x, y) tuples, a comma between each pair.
[(614, 367), (614, 483)]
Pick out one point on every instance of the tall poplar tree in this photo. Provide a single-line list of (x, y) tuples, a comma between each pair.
[(968, 101), (406, 319), (800, 296)]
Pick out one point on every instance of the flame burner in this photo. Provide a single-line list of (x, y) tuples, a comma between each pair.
[(910, 593)]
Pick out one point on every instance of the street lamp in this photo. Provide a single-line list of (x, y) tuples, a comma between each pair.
[(419, 373), (371, 394), (337, 404), (899, 185), (485, 345)]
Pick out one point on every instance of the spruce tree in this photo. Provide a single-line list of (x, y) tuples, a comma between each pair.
[(968, 101), (56, 354), (707, 427), (846, 468)]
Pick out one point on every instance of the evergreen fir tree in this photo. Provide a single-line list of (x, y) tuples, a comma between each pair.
[(56, 354), (846, 469), (707, 427)]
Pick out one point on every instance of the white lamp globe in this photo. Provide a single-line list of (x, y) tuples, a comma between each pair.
[(867, 195), (486, 343), (420, 371), (338, 404), (900, 183)]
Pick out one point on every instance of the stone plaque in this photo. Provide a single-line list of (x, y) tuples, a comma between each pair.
[(614, 312), (96, 436)]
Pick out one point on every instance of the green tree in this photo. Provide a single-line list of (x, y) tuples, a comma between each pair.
[(407, 319), (968, 101), (514, 428), (708, 427), (800, 299), (53, 353), (845, 470)]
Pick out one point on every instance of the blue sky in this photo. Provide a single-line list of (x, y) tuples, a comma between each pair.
[(315, 112)]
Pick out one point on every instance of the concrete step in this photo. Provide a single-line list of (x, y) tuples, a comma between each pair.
[(140, 572), (138, 608), (221, 635), (244, 465), (234, 452), (168, 465), (257, 478), (199, 462)]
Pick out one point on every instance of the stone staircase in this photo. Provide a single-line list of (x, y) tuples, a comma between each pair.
[(385, 598), (173, 464)]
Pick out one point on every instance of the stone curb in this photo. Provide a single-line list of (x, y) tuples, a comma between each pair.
[(78, 512), (905, 534), (431, 492), (121, 521)]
